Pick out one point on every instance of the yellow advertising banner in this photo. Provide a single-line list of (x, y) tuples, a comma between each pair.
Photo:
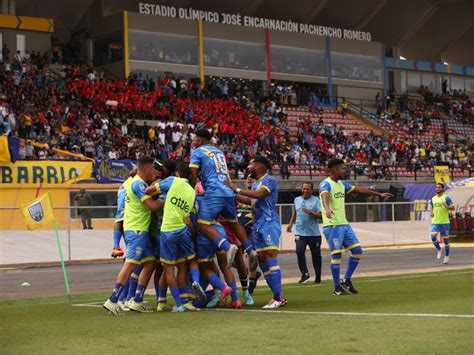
[(441, 174), (46, 172)]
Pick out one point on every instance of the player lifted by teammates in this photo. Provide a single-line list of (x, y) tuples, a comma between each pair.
[(339, 234), (441, 204)]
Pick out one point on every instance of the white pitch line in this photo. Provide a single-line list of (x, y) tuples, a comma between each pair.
[(347, 313), (93, 304)]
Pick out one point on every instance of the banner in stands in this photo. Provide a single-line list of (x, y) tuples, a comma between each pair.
[(45, 172), (441, 174), (251, 21), (112, 171)]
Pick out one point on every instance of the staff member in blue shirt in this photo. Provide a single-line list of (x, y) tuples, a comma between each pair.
[(306, 213)]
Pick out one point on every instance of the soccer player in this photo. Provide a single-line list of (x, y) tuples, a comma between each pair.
[(339, 234), (137, 217), (441, 204), (266, 229), (176, 240), (306, 213), (209, 164)]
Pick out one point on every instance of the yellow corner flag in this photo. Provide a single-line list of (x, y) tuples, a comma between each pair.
[(441, 174), (38, 213)]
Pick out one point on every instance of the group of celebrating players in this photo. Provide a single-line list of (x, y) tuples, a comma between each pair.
[(182, 224)]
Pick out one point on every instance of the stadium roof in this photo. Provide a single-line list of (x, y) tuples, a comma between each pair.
[(433, 30)]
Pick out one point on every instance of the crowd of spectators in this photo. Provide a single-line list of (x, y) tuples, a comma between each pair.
[(84, 112)]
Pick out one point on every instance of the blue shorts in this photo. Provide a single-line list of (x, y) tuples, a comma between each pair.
[(138, 247), (176, 246), (210, 207), (155, 243), (340, 238), (206, 249), (442, 229), (119, 215), (266, 237)]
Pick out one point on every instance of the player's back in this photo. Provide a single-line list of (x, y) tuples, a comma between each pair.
[(265, 208), (180, 198), (213, 171)]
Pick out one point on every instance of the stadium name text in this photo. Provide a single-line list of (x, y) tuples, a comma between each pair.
[(250, 21)]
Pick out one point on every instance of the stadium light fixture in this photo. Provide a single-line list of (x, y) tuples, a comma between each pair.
[(402, 58), (445, 63)]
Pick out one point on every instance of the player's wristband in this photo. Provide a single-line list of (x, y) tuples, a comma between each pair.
[(157, 186), (237, 191)]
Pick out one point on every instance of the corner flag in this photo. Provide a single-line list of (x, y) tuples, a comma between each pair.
[(38, 213)]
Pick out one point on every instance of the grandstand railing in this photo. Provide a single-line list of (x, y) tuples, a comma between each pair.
[(376, 224)]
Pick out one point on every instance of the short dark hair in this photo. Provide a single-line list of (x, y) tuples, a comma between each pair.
[(335, 162), (204, 133), (440, 184), (308, 183), (143, 161), (262, 160), (183, 170), (168, 164)]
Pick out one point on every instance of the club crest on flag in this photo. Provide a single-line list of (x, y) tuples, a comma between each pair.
[(36, 212)]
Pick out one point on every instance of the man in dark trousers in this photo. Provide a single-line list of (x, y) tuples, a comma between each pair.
[(84, 200), (307, 213)]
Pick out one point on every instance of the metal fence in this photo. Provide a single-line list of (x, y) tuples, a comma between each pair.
[(376, 224)]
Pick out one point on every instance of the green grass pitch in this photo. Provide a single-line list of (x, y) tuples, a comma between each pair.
[(52, 325)]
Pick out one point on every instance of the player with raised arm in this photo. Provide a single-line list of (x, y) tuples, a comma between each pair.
[(266, 230), (137, 217), (339, 234), (209, 164), (441, 204)]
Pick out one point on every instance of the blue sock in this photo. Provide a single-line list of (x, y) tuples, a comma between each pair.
[(175, 293), (434, 239), (247, 247), (447, 247), (221, 243), (133, 282), (117, 237), (234, 294), (139, 293), (275, 277), (183, 294), (161, 295), (336, 269), (123, 294), (194, 274), (351, 266), (116, 292), (216, 282)]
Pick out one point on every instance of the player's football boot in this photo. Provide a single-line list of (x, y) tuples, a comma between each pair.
[(446, 260), (163, 307), (117, 253), (283, 301), (225, 293), (272, 304), (317, 280), (214, 301), (199, 291), (253, 260), (124, 306), (438, 254), (348, 286), (236, 304), (140, 307), (231, 254), (304, 279), (179, 309), (248, 300), (339, 291), (113, 308), (189, 307)]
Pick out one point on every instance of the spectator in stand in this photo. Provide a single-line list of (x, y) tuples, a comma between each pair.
[(5, 53)]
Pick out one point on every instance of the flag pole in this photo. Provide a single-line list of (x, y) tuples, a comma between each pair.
[(63, 266)]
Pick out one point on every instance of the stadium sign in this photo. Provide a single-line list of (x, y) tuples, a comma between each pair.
[(112, 171), (251, 21), (24, 173)]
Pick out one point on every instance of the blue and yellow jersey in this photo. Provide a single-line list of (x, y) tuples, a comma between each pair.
[(179, 202), (264, 210), (337, 201), (137, 216), (120, 203), (213, 172)]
